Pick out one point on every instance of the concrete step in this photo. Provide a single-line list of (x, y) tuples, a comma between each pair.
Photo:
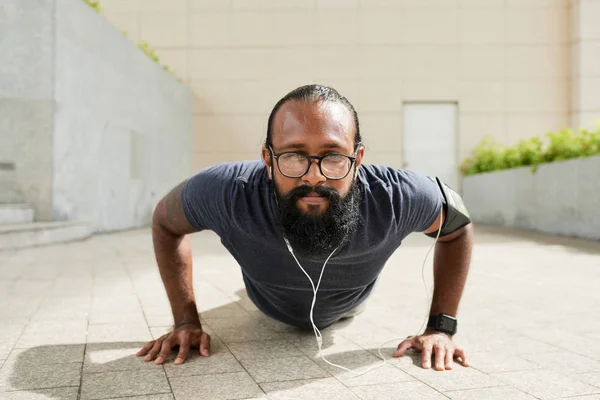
[(18, 213), (41, 233)]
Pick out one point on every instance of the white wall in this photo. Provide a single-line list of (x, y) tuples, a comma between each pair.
[(104, 131), (122, 132), (26, 106)]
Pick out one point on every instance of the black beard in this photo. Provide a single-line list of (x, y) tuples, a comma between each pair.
[(316, 236)]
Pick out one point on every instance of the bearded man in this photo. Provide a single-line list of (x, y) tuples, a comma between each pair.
[(311, 203)]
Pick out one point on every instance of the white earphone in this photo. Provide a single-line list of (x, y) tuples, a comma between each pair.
[(315, 289)]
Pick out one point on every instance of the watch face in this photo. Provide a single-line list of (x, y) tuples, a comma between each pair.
[(447, 324)]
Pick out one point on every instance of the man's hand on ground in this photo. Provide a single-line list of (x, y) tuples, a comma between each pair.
[(437, 344), (185, 336)]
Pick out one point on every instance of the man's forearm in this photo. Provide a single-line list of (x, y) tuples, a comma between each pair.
[(451, 267), (174, 259)]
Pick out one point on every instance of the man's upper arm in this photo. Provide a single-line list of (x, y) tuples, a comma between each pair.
[(202, 202), (170, 213), (455, 215), (420, 203)]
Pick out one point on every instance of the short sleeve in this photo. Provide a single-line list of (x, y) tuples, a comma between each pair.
[(207, 197), (421, 202)]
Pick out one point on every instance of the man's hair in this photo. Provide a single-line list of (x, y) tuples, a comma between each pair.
[(314, 93)]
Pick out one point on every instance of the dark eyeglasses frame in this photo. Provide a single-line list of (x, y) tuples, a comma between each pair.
[(319, 159)]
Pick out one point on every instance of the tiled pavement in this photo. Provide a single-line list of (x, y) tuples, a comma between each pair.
[(72, 317)]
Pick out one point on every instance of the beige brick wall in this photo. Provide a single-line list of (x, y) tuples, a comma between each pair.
[(585, 78), (506, 62)]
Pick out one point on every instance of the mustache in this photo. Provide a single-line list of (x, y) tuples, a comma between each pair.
[(305, 190)]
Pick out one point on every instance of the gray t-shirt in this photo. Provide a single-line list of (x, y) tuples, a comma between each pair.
[(236, 202)]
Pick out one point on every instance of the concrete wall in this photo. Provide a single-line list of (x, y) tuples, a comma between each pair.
[(585, 78), (560, 198), (96, 130), (26, 102), (506, 63), (123, 127)]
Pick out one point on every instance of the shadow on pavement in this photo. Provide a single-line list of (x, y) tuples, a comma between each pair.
[(113, 370)]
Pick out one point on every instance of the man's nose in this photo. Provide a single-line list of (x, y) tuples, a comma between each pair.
[(314, 176)]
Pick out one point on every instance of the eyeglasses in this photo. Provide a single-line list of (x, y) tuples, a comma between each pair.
[(333, 166)]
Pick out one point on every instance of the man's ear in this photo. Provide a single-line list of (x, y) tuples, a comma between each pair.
[(359, 156), (268, 160)]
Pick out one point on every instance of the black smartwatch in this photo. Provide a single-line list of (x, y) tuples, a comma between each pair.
[(444, 323)]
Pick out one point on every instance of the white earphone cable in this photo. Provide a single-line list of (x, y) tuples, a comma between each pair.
[(317, 332)]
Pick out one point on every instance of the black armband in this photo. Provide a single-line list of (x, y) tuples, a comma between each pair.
[(456, 215)]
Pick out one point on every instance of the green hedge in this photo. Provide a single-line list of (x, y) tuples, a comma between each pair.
[(553, 146)]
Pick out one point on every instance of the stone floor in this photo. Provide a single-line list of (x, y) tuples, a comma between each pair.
[(72, 317)]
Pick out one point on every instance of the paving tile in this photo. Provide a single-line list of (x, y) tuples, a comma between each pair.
[(369, 336), (242, 335), (164, 396), (159, 320), (565, 362), (232, 310), (11, 332), (111, 357), (63, 308), (403, 390), (271, 323), (116, 305), (509, 344), (41, 333), (459, 378), (63, 393), (332, 344), (44, 355), (25, 376), (112, 333), (283, 369), (491, 362), (592, 379), (219, 361), (313, 389), (5, 349), (264, 349), (360, 362), (241, 322), (491, 393), (123, 383), (104, 318), (546, 384), (237, 385)]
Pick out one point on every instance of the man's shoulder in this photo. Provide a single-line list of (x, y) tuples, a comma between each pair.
[(394, 181), (377, 174), (233, 172)]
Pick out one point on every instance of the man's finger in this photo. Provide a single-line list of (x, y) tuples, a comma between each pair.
[(426, 358), (463, 357), (204, 345), (184, 349), (154, 351), (403, 347), (145, 349), (449, 358), (164, 352), (440, 356)]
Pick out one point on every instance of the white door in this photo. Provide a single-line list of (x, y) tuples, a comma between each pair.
[(429, 140)]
